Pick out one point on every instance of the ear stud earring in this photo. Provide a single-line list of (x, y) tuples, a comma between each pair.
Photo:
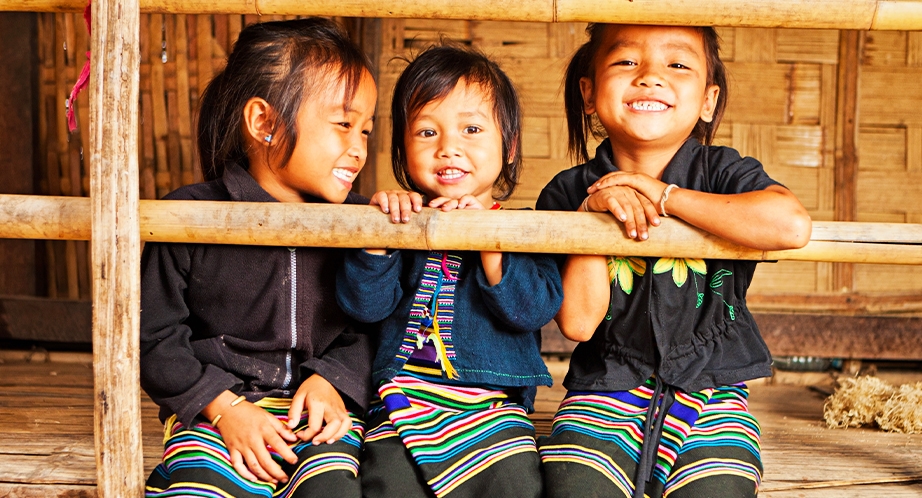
[(268, 139)]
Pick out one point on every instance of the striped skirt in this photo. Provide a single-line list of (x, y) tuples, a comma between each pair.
[(709, 445), (429, 438), (196, 463)]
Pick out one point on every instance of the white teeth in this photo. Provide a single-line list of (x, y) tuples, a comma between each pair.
[(451, 174), (648, 106), (343, 174)]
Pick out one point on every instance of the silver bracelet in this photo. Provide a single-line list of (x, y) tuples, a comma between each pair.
[(664, 198), (585, 205)]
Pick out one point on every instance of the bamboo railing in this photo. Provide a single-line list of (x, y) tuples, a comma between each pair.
[(345, 226), (841, 14), (116, 216)]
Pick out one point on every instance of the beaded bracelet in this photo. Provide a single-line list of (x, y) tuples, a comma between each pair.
[(664, 198)]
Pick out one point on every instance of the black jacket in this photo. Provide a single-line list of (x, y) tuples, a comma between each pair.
[(256, 320), (684, 319)]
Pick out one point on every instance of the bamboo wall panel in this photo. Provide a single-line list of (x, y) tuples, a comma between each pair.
[(179, 55), (783, 111), (889, 180)]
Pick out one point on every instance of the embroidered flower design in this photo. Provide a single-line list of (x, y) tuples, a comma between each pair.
[(621, 271), (680, 268)]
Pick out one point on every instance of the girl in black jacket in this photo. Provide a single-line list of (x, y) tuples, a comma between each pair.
[(255, 367)]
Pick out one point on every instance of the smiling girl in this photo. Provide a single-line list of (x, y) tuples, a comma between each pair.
[(258, 373), (459, 357), (655, 404)]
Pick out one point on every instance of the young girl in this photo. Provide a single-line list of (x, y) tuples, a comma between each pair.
[(459, 359), (243, 347), (656, 404)]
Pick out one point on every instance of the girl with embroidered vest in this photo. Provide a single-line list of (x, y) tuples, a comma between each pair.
[(459, 358), (656, 403), (258, 373)]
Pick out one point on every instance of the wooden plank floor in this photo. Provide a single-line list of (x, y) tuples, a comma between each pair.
[(46, 437)]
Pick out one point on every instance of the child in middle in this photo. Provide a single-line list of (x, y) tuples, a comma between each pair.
[(459, 358)]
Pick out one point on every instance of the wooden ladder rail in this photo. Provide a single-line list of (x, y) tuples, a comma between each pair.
[(351, 226)]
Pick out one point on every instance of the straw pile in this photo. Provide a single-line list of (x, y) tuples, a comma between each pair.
[(869, 401)]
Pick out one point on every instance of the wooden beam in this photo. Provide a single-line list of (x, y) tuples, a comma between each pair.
[(839, 304), (324, 225), (69, 321), (845, 203), (823, 336), (828, 14), (116, 246), (45, 319), (835, 336)]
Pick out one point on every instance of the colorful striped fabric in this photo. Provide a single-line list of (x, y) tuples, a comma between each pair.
[(709, 446), (439, 279), (196, 463), (465, 441)]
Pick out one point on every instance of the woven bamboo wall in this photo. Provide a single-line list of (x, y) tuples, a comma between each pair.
[(179, 54), (784, 110)]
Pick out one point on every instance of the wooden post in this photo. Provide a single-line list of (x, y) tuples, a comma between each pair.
[(845, 204), (116, 246)]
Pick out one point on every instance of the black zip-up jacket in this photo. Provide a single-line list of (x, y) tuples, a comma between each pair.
[(256, 320)]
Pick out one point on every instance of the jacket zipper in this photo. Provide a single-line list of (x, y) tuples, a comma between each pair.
[(293, 326)]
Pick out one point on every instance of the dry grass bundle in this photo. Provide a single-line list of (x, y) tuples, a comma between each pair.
[(903, 411), (857, 401)]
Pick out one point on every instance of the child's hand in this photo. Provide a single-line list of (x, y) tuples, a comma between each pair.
[(399, 203), (323, 404), (447, 203), (627, 204), (247, 429)]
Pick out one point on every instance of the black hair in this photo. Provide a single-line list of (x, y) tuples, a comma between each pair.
[(280, 62), (431, 76), (580, 125)]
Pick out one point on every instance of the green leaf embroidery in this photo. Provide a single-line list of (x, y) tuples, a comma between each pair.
[(717, 279)]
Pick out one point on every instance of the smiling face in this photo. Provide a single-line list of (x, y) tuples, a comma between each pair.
[(332, 145), (650, 85), (455, 146)]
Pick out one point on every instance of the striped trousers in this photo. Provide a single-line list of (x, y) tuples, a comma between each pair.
[(709, 445), (429, 439), (196, 463)]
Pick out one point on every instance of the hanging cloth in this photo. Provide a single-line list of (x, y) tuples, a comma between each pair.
[(84, 79)]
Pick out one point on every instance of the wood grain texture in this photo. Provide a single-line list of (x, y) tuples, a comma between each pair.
[(826, 14), (116, 246), (323, 225)]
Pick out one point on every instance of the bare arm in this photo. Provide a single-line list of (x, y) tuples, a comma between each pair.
[(770, 219), (586, 295)]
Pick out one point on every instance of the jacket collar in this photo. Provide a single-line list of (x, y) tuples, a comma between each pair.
[(241, 186), (678, 166)]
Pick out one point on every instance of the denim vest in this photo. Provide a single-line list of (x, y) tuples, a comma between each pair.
[(495, 330)]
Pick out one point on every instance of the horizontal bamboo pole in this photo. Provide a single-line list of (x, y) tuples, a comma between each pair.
[(838, 14), (319, 225)]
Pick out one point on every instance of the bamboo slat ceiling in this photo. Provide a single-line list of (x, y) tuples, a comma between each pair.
[(841, 14)]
